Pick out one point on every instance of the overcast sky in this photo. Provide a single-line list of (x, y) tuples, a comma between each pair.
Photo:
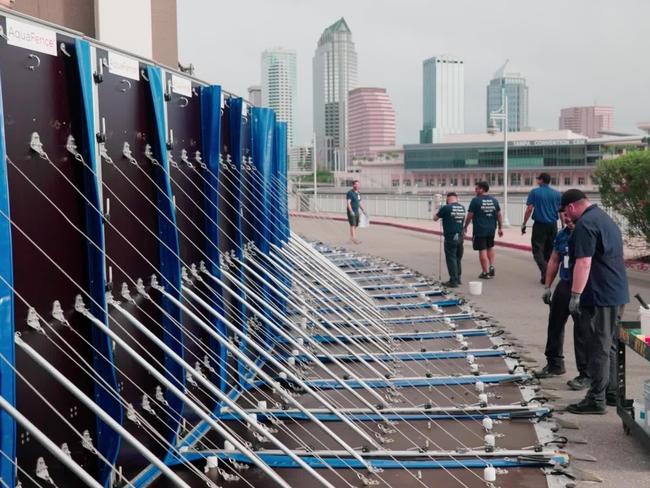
[(572, 52)]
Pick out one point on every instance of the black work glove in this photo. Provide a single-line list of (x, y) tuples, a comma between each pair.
[(574, 303), (523, 229), (546, 297)]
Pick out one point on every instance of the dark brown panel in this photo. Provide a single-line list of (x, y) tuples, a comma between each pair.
[(78, 15)]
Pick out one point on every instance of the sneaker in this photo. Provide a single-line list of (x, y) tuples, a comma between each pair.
[(491, 271), (611, 399), (580, 382), (450, 284), (586, 407), (484, 276), (548, 371)]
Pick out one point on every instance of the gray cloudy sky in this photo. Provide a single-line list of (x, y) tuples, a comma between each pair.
[(572, 52)]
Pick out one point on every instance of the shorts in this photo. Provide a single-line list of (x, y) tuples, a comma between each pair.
[(480, 243), (353, 219)]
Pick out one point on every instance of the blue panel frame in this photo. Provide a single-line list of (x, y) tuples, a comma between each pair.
[(211, 140), (108, 441), (170, 266), (7, 346)]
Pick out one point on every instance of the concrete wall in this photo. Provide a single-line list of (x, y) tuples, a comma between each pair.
[(78, 15), (164, 22)]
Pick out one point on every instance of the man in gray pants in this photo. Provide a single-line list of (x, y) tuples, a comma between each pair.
[(599, 290)]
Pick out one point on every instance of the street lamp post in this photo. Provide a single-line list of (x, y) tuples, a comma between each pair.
[(502, 114)]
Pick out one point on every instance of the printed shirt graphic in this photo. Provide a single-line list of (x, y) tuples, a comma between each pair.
[(355, 200), (453, 216), (484, 209)]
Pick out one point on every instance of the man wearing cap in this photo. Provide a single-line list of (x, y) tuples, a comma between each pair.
[(543, 203), (599, 291)]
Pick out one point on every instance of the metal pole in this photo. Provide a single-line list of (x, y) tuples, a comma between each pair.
[(506, 221), (48, 444), (315, 169)]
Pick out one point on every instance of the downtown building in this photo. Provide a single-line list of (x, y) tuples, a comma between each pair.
[(279, 87), (588, 121), (513, 85), (443, 98), (334, 75), (371, 122)]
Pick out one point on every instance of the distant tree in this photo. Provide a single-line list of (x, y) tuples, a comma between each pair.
[(625, 187)]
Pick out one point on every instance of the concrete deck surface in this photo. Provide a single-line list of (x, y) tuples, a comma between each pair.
[(514, 299)]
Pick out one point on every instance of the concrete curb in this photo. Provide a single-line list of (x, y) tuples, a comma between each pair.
[(414, 228)]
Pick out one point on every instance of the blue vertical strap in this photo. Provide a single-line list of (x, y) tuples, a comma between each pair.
[(262, 130), (283, 181), (170, 266), (236, 146), (7, 348), (108, 441), (278, 207), (211, 140), (262, 135)]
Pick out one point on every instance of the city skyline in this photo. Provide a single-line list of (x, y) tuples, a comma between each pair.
[(566, 61)]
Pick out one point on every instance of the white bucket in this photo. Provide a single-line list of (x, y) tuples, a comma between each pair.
[(475, 287), (644, 317)]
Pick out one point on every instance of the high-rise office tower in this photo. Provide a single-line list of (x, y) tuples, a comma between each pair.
[(279, 86), (588, 121), (335, 74), (513, 85), (371, 121), (443, 98)]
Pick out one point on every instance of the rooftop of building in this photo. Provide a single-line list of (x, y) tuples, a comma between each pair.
[(339, 26), (506, 71), (444, 58)]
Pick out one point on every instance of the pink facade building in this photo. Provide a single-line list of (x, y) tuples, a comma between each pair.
[(371, 121), (588, 121)]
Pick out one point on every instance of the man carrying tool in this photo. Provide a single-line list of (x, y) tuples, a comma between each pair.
[(354, 205), (452, 215), (599, 290), (559, 314), (485, 215), (543, 203)]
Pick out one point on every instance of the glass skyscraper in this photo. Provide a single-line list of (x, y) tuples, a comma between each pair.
[(514, 86), (443, 98), (335, 74), (279, 86)]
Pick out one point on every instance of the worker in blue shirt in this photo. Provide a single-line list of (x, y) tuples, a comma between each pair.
[(558, 301), (599, 291), (543, 203), (354, 206), (453, 216)]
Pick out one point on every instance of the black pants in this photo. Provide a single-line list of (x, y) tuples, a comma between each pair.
[(542, 243), (557, 318), (453, 256), (604, 323)]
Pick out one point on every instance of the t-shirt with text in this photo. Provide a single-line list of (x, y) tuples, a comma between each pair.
[(484, 209), (453, 217)]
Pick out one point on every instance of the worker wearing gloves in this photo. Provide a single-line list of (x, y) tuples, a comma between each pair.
[(599, 291), (559, 314)]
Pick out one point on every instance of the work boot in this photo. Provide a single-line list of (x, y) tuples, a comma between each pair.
[(548, 371), (580, 382), (450, 284), (587, 407), (491, 271), (484, 276)]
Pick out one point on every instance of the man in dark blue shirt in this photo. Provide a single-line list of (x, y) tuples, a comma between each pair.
[(559, 314), (354, 206), (484, 213), (543, 203), (599, 291), (453, 216)]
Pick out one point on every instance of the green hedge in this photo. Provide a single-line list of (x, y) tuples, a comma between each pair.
[(625, 187)]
